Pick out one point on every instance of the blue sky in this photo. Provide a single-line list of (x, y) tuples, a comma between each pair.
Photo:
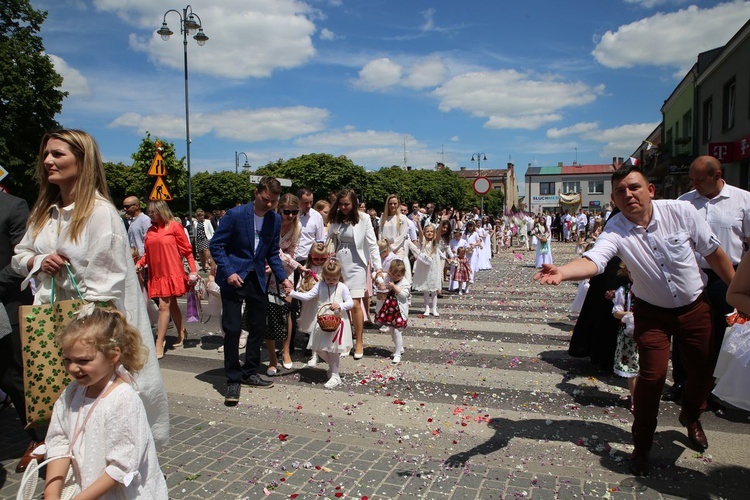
[(536, 81)]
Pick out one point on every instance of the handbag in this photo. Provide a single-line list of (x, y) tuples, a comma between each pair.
[(44, 374), (278, 311), (213, 304), (390, 313), (193, 306)]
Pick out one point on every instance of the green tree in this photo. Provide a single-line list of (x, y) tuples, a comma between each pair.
[(220, 190), (141, 184), (30, 94), (387, 181), (322, 173)]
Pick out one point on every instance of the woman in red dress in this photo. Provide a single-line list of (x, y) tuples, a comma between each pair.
[(164, 247)]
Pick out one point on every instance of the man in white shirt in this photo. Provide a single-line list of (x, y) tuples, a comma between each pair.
[(312, 225), (412, 223), (727, 211), (658, 241), (312, 232)]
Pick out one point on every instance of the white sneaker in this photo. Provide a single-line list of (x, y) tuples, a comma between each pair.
[(220, 349), (334, 381), (435, 313), (460, 293), (243, 339), (383, 329), (313, 361), (396, 359), (426, 311)]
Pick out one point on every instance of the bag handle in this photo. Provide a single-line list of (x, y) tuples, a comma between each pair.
[(328, 305), (72, 280), (32, 474)]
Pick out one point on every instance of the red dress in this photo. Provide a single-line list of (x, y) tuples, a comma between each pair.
[(164, 248)]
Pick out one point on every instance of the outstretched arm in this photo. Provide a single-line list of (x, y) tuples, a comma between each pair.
[(574, 270)]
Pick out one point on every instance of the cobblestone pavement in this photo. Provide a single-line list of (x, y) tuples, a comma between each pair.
[(485, 404)]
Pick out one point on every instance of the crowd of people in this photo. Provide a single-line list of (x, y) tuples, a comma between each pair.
[(287, 266)]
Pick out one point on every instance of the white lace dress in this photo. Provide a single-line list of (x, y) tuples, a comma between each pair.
[(117, 440), (339, 341)]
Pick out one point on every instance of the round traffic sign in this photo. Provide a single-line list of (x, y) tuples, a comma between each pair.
[(482, 185)]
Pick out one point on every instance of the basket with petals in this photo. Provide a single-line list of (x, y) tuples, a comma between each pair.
[(328, 320)]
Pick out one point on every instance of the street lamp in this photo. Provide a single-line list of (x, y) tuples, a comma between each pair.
[(189, 23), (478, 157), (237, 162)]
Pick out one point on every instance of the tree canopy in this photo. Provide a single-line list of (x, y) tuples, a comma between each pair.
[(30, 94)]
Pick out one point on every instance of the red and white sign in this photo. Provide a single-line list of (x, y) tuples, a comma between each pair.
[(482, 185)]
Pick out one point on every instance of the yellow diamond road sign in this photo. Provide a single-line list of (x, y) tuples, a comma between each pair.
[(3, 173)]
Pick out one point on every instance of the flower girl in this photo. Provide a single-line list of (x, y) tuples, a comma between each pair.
[(99, 420), (427, 276), (334, 295), (395, 309)]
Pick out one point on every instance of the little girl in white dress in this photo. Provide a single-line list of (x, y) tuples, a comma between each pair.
[(99, 419), (428, 272), (334, 295)]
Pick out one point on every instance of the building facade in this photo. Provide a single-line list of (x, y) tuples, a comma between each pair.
[(569, 187), (501, 179)]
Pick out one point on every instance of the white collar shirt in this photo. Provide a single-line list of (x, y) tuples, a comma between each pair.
[(661, 257), (728, 214), (312, 231)]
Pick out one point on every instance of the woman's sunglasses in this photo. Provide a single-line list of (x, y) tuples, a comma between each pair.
[(290, 212)]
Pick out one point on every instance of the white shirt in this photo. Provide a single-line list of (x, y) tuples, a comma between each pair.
[(660, 257), (412, 230), (728, 214), (312, 231)]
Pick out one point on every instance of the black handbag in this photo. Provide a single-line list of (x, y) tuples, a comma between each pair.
[(278, 312)]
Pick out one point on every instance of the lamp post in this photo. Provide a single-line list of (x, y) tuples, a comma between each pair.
[(237, 161), (189, 23), (478, 157)]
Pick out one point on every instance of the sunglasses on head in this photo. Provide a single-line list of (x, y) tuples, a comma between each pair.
[(290, 212)]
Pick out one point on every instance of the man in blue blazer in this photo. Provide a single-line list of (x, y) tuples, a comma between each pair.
[(246, 240)]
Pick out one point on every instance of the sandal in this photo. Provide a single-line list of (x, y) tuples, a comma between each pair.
[(184, 335)]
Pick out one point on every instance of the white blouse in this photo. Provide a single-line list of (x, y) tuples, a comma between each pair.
[(102, 266)]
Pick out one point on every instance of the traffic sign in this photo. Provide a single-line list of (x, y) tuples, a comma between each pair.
[(482, 185), (160, 191), (255, 179), (158, 168), (3, 173)]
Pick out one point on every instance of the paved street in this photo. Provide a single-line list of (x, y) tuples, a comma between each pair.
[(485, 404)]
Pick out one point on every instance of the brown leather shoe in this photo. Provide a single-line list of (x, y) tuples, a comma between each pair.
[(640, 463), (28, 456), (695, 433)]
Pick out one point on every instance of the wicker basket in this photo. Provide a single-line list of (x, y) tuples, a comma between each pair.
[(328, 322)]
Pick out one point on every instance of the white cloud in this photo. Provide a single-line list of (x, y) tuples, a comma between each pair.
[(73, 81), (379, 74), (577, 129), (326, 34), (621, 140), (455, 138), (242, 125), (511, 99), (247, 38), (430, 72), (672, 39), (429, 19), (650, 4), (354, 139)]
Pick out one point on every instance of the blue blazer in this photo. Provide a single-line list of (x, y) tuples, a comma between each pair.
[(232, 247)]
